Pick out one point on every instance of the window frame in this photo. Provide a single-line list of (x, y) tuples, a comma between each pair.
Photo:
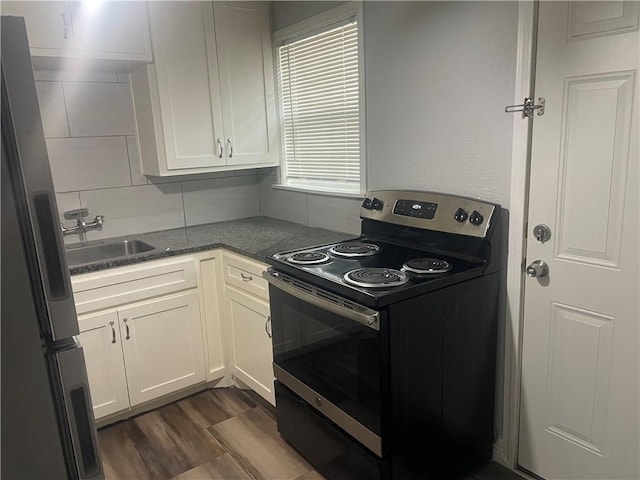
[(307, 27)]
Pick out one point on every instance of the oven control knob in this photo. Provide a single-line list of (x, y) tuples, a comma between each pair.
[(461, 215), (475, 218), (377, 204), (366, 203)]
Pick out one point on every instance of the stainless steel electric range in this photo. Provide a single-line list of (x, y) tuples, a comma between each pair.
[(384, 346)]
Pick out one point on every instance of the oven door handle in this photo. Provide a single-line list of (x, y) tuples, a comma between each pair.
[(323, 299)]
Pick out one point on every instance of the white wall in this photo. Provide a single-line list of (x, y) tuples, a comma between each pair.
[(287, 13), (91, 141), (438, 75)]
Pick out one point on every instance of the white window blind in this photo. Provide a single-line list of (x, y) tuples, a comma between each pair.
[(320, 115)]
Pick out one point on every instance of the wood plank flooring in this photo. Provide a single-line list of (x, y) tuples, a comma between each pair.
[(218, 434)]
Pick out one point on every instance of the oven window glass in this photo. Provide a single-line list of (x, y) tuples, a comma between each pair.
[(337, 357)]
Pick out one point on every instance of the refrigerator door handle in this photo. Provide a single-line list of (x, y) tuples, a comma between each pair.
[(88, 451), (56, 271), (77, 397)]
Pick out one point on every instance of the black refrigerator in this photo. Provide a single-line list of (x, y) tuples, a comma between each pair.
[(47, 424)]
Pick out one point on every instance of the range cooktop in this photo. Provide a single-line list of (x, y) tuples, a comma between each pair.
[(381, 274), (410, 243)]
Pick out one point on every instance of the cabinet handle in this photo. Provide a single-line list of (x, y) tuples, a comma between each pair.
[(113, 332), (245, 278), (65, 26), (220, 152), (267, 326), (127, 336), (230, 145)]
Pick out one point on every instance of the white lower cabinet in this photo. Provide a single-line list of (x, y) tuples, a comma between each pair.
[(140, 352), (143, 329), (100, 340), (159, 328), (162, 345), (250, 324)]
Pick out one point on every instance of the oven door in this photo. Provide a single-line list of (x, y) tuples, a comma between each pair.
[(327, 350)]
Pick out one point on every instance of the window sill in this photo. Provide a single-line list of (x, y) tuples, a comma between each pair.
[(313, 191)]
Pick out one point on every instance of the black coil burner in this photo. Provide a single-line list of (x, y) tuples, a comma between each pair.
[(426, 266), (309, 258), (354, 249), (376, 277)]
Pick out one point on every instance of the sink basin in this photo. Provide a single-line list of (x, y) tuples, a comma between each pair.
[(80, 255)]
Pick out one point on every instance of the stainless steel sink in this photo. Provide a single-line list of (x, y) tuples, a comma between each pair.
[(83, 254)]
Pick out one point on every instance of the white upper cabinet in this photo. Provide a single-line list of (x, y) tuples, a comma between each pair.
[(246, 81), (110, 30), (113, 29), (182, 89), (48, 25), (207, 103)]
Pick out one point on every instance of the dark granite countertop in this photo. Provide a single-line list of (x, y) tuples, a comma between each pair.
[(255, 237)]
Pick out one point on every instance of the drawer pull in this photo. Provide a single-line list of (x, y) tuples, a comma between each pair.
[(113, 332), (267, 326), (246, 278), (127, 337)]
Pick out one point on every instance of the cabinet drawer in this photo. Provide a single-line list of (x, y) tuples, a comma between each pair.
[(245, 274), (110, 288)]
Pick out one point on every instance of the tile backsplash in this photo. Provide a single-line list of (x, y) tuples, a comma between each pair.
[(91, 139), (322, 211)]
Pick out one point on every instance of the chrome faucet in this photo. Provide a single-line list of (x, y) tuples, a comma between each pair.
[(81, 226)]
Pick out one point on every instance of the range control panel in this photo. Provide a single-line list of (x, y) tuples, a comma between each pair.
[(429, 210), (416, 209)]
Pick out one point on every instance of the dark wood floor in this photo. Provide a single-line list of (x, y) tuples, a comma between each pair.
[(222, 433)]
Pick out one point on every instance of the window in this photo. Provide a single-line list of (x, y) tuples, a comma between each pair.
[(320, 106)]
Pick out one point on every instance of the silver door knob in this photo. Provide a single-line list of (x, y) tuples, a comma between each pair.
[(538, 268)]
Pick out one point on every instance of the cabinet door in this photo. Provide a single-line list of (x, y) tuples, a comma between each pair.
[(100, 340), (252, 354), (162, 345), (117, 30), (48, 25), (246, 81), (186, 77), (216, 367)]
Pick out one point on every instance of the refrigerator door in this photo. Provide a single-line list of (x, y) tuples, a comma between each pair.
[(47, 428), (75, 387), (33, 444), (27, 158)]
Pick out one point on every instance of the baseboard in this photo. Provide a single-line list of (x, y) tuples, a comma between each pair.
[(499, 455)]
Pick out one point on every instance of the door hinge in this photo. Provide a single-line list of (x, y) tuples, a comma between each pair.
[(527, 107)]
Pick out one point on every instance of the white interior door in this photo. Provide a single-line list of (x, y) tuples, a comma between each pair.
[(580, 374)]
